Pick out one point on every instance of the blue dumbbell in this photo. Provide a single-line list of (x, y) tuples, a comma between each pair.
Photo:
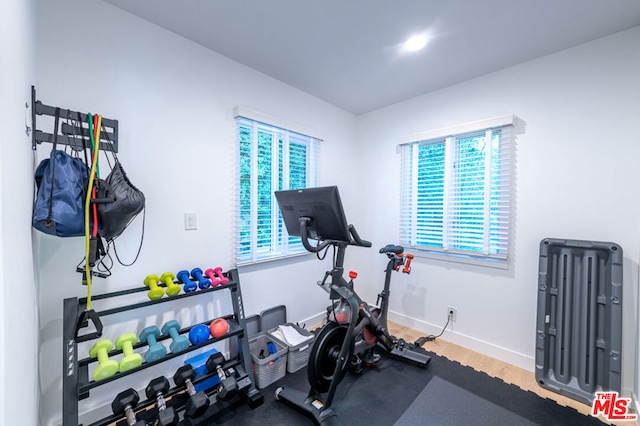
[(199, 334), (179, 343), (156, 350), (203, 282), (189, 286)]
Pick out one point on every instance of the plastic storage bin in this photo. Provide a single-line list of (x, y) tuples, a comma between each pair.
[(253, 325), (297, 355), (272, 317), (267, 367)]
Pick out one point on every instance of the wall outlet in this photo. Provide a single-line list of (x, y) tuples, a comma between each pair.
[(453, 312)]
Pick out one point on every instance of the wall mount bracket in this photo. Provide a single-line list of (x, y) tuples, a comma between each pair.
[(75, 131)]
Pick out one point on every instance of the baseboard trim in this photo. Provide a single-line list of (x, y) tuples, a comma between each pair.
[(503, 354), (313, 321)]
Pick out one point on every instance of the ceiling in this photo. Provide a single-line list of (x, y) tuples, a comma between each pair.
[(348, 52)]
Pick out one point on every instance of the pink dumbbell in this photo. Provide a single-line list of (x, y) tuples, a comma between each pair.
[(216, 277)]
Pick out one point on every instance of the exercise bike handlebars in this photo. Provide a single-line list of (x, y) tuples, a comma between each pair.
[(304, 236), (356, 238)]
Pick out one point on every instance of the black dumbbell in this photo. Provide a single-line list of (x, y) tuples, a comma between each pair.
[(124, 403), (157, 388), (198, 401), (228, 385)]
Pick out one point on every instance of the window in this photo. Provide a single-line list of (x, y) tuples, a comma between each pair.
[(270, 159), (456, 191)]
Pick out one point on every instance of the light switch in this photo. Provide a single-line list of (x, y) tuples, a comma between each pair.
[(190, 220)]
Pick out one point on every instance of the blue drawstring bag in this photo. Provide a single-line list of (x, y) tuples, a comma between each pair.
[(62, 183)]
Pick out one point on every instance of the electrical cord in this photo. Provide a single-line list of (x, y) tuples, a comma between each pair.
[(322, 256), (430, 338)]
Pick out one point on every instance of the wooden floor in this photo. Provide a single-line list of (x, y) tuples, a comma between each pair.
[(508, 373)]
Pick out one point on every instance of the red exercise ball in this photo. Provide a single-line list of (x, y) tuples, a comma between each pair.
[(218, 327)]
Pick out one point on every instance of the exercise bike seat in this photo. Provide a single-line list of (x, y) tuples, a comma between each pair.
[(391, 248)]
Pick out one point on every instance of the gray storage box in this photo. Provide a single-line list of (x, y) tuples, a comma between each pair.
[(273, 317), (297, 355), (579, 324), (267, 368), (253, 325)]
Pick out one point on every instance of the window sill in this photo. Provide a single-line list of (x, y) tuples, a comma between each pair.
[(487, 262), (271, 259)]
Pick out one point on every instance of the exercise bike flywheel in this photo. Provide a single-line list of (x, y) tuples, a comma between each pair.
[(324, 357)]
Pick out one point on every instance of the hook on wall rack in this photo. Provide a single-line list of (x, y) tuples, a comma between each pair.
[(75, 135)]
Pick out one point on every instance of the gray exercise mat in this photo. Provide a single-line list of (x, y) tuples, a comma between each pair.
[(442, 403)]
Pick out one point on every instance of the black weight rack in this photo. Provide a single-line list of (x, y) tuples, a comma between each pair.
[(76, 384)]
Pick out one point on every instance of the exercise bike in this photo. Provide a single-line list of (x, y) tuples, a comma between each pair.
[(354, 329)]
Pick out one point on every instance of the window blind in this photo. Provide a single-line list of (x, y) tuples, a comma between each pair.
[(270, 159), (456, 193)]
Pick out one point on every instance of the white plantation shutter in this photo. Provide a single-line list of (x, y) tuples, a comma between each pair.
[(270, 159), (456, 191)]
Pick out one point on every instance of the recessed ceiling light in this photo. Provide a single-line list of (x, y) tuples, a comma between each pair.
[(415, 43)]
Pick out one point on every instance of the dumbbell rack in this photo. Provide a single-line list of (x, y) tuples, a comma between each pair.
[(76, 384)]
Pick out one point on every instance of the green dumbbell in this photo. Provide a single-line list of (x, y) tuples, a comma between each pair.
[(106, 367), (172, 288), (156, 292), (130, 360)]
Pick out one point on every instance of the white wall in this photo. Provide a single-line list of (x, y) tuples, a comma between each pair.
[(577, 169), (18, 306), (174, 102), (174, 99), (636, 387)]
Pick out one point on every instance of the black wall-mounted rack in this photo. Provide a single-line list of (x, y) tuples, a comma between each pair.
[(75, 135)]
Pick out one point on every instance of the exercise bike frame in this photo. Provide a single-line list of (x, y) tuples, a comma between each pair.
[(361, 313), (361, 316)]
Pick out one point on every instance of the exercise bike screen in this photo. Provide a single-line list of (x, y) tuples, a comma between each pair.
[(322, 205)]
